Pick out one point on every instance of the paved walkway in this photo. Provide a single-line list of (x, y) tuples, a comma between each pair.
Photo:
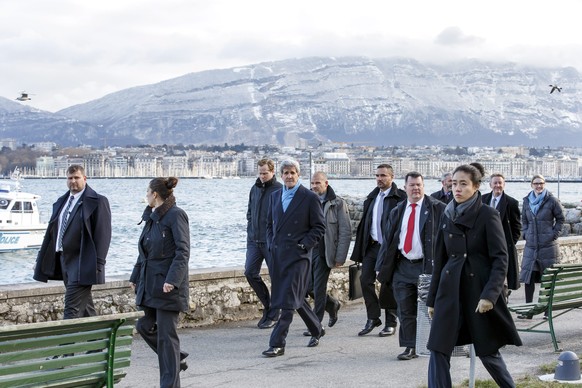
[(229, 355)]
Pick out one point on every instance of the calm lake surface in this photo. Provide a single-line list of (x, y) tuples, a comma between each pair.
[(217, 211)]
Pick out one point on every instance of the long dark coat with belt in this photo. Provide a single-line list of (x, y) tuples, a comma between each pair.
[(508, 209), (301, 223), (363, 232), (164, 252), (540, 232), (430, 215), (470, 264), (85, 242)]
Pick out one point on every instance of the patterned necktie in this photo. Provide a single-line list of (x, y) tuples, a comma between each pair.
[(64, 222), (379, 212), (493, 202), (410, 230)]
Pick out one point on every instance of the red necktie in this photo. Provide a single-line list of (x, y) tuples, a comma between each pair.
[(410, 230)]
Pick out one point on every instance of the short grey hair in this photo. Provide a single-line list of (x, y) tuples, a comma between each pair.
[(290, 163), (446, 175)]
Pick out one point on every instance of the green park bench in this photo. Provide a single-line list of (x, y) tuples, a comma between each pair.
[(560, 290), (83, 352)]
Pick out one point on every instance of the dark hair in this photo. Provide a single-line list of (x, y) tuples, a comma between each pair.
[(472, 171), (386, 166), (73, 168), (479, 168), (163, 186), (413, 174)]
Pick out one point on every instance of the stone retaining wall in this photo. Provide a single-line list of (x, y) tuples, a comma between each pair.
[(215, 295)]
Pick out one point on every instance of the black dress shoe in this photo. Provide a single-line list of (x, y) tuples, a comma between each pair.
[(267, 324), (307, 333), (274, 352), (408, 354), (370, 325), (183, 365), (333, 314), (386, 331), (263, 318), (523, 317), (314, 341)]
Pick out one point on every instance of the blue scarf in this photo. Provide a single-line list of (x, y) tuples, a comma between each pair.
[(287, 195), (535, 202)]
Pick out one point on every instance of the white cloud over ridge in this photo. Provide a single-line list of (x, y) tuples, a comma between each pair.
[(68, 52)]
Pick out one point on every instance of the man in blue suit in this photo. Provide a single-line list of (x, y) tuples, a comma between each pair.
[(76, 243), (294, 226)]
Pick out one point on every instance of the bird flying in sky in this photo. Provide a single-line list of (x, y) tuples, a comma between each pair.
[(555, 87)]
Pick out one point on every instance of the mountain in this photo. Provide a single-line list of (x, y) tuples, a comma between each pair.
[(386, 101), (30, 125)]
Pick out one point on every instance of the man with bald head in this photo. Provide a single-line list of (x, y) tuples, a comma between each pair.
[(332, 250)]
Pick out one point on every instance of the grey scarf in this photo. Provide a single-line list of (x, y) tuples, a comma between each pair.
[(454, 210)]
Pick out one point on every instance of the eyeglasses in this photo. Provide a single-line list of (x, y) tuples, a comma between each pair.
[(538, 183)]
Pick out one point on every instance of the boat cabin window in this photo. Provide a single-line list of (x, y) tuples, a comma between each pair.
[(4, 203), (22, 207)]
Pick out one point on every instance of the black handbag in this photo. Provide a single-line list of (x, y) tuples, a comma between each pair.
[(355, 288)]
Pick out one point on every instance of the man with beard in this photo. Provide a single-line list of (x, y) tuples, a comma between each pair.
[(332, 249), (377, 207), (445, 194)]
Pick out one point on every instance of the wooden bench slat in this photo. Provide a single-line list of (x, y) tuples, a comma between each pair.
[(14, 344), (98, 349), (560, 290)]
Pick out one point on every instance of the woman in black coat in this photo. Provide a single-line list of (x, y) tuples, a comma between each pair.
[(160, 277), (541, 219), (465, 298)]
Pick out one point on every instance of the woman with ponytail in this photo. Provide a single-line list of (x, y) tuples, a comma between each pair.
[(160, 277)]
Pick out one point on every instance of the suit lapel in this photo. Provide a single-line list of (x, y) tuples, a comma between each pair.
[(294, 204), (502, 206)]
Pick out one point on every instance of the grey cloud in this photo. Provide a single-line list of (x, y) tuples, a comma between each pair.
[(452, 36)]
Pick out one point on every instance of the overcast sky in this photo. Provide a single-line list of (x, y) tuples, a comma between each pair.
[(69, 52)]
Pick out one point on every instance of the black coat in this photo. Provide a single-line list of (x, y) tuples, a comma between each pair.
[(85, 242), (363, 232), (258, 207), (508, 209), (430, 215), (290, 268), (470, 264), (164, 252), (441, 196)]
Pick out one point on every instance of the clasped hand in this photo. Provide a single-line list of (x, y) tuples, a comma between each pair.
[(483, 306)]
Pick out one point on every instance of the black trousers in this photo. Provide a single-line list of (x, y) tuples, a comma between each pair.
[(78, 302), (159, 329), (439, 370), (256, 253), (405, 285), (281, 329), (375, 302), (322, 301)]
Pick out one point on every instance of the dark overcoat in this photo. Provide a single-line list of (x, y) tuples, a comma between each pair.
[(301, 223), (363, 232), (164, 252), (85, 242), (258, 207), (441, 196), (430, 215), (470, 264), (540, 232), (508, 209)]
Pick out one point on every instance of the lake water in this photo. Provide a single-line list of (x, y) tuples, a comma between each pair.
[(217, 212)]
